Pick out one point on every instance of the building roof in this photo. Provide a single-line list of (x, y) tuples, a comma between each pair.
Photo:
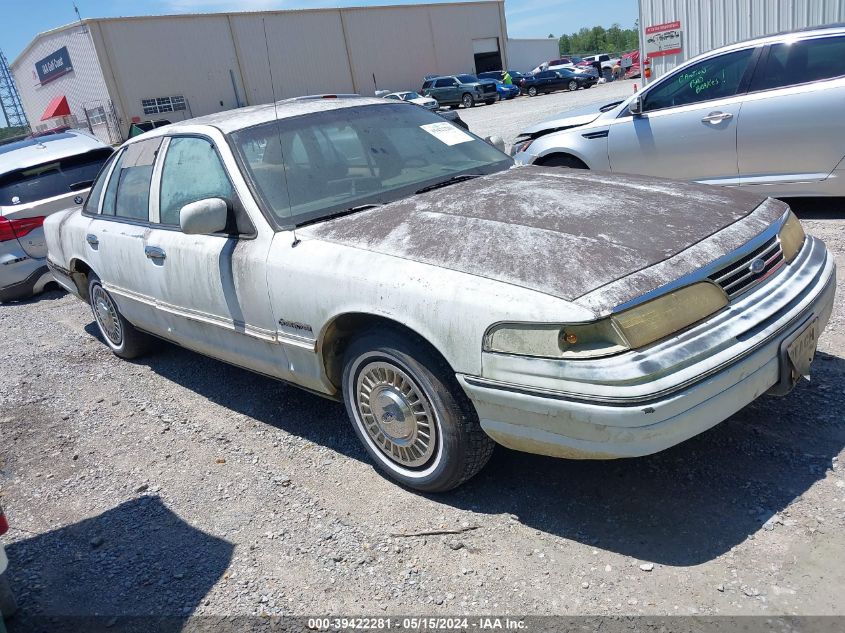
[(44, 149)]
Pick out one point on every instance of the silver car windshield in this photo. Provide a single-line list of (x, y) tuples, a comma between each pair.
[(314, 166)]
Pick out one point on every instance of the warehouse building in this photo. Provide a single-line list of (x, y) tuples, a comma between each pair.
[(673, 31), (105, 74)]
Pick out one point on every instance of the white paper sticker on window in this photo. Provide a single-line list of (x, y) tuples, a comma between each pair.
[(447, 133)]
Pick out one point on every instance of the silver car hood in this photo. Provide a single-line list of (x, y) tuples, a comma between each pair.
[(571, 118), (592, 238)]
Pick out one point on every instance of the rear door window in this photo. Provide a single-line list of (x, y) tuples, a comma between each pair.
[(444, 83), (805, 61), (128, 192), (714, 78), (53, 178)]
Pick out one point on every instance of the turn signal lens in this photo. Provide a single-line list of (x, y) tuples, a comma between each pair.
[(791, 237), (669, 313)]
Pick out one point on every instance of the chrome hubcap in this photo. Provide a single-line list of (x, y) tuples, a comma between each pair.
[(396, 414), (106, 313)]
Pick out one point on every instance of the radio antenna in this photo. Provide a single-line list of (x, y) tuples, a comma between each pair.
[(278, 127)]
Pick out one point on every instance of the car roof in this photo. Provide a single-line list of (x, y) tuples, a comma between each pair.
[(233, 120), (44, 149), (774, 38)]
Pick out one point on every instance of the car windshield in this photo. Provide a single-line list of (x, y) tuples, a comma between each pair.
[(410, 95), (51, 179), (314, 166), (467, 79)]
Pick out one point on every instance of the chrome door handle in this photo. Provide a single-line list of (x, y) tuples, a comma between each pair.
[(717, 117), (154, 252), (92, 239)]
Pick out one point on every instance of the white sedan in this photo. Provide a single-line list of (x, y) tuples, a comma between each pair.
[(371, 252), (413, 97)]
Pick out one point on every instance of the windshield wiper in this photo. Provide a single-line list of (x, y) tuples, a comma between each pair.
[(448, 181), (341, 212)]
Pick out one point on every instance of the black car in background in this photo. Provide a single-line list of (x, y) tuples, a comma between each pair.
[(548, 81)]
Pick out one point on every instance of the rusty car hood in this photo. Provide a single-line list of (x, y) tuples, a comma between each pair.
[(567, 233)]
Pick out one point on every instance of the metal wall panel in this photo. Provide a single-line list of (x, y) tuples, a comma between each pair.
[(307, 54), (526, 54), (189, 56), (709, 24), (83, 86)]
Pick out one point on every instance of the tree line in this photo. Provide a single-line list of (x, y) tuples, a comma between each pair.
[(600, 40)]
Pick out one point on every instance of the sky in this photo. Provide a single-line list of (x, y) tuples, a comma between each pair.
[(21, 20)]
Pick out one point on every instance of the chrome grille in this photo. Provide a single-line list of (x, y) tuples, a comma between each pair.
[(738, 276)]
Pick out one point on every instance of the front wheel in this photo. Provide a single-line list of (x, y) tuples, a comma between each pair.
[(118, 333), (532, 91), (491, 101), (409, 412), (467, 100)]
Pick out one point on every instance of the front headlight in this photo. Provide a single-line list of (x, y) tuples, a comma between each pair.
[(791, 238), (630, 329), (520, 145)]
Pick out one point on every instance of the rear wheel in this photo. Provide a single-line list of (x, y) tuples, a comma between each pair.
[(572, 85), (118, 333), (467, 100), (532, 91), (491, 101), (409, 412)]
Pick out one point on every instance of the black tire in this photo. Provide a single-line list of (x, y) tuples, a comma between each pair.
[(457, 447), (467, 101), (572, 85), (118, 333), (491, 102), (8, 604), (532, 91), (588, 86), (563, 160)]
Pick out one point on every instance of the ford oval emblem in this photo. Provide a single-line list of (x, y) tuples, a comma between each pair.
[(757, 266)]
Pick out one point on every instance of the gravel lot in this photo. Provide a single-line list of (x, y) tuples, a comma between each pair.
[(178, 485)]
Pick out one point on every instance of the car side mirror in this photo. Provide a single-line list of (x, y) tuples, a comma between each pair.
[(636, 106), (496, 141), (204, 216)]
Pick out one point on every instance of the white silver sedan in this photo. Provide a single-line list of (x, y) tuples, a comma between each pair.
[(764, 115), (413, 97), (371, 252)]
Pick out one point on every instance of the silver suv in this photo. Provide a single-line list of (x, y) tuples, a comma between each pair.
[(39, 176), (764, 114)]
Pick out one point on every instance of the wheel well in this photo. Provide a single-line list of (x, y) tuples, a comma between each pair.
[(338, 335), (561, 159), (79, 272)]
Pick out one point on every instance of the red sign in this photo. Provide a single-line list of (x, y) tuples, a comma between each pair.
[(663, 39)]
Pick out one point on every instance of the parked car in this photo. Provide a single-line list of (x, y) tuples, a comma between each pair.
[(605, 61), (413, 97), (548, 81), (555, 64), (373, 253), (39, 176), (8, 604), (455, 90), (506, 91), (723, 118)]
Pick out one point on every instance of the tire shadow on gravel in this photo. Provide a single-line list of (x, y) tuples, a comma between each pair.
[(688, 504), (138, 562)]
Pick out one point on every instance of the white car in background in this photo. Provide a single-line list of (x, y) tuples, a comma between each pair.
[(40, 176), (555, 64), (764, 115), (413, 97)]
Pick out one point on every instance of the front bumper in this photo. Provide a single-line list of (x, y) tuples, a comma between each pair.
[(643, 402)]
